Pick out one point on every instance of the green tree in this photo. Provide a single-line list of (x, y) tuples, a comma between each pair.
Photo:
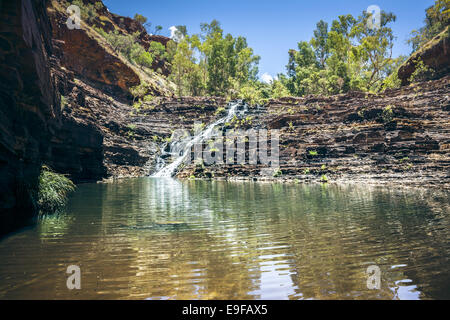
[(302, 64), (320, 42), (349, 56), (158, 29), (211, 63), (374, 50), (140, 18), (185, 72), (437, 19)]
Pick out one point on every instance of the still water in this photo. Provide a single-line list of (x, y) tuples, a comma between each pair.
[(167, 239)]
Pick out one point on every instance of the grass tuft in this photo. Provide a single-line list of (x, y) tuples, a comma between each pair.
[(53, 190)]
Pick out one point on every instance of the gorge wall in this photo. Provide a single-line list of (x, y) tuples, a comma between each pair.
[(29, 106), (401, 136), (40, 63), (33, 130), (65, 101)]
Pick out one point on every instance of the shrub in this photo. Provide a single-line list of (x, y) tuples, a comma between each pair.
[(422, 72), (158, 50), (388, 114), (393, 81), (63, 102), (140, 18), (127, 45), (53, 190), (140, 91), (220, 110), (144, 59), (88, 11), (277, 173), (279, 90), (251, 94), (132, 127)]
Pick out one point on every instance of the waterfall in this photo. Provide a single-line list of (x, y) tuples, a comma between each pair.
[(183, 149)]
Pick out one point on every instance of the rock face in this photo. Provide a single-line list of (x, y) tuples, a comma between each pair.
[(33, 129), (95, 84), (112, 22), (65, 102), (81, 53), (28, 106), (400, 136), (435, 55)]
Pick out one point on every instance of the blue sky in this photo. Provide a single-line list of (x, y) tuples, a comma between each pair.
[(271, 27)]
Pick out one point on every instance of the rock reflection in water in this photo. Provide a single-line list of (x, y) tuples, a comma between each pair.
[(167, 239)]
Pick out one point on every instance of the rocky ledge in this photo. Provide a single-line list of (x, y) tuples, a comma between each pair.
[(400, 136)]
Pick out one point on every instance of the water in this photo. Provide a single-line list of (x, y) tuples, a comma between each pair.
[(165, 239), (165, 171)]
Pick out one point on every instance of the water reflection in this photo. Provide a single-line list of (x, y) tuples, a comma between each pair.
[(167, 239)]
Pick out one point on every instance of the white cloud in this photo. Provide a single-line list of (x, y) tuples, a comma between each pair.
[(267, 78)]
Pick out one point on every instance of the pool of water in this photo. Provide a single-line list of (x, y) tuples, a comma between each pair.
[(167, 239)]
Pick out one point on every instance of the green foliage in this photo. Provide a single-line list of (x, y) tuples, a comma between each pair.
[(324, 179), (348, 56), (143, 58), (211, 63), (437, 19), (98, 5), (158, 50), (291, 126), (148, 98), (313, 153), (129, 47), (186, 74), (422, 72), (140, 91), (252, 94), (393, 81), (320, 43), (220, 111), (88, 11), (278, 90), (277, 173), (132, 127), (63, 102), (158, 29), (53, 190), (140, 18), (388, 114)]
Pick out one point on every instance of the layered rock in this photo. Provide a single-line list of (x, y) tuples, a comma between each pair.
[(95, 83), (400, 136), (434, 55), (111, 22), (65, 102), (28, 106)]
